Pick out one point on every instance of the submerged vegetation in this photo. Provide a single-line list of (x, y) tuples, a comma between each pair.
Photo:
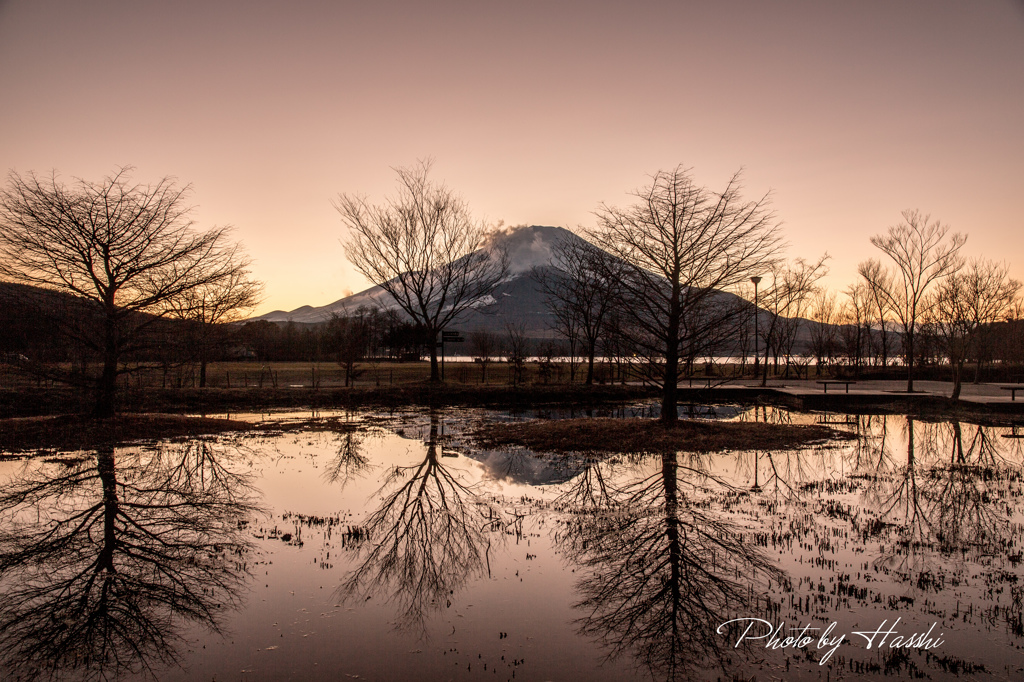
[(407, 530)]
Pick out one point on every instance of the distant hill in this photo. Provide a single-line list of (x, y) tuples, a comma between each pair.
[(46, 325), (518, 298), (31, 317)]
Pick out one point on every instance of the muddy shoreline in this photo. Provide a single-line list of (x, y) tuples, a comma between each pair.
[(648, 436), (43, 402)]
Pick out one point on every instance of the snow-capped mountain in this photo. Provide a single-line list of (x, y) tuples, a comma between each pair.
[(518, 298)]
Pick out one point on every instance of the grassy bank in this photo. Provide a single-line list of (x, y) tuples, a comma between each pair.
[(651, 436), (34, 402), (72, 432)]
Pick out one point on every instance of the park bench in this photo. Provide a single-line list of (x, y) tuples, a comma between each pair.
[(846, 382), (706, 380), (1013, 388), (838, 419), (1014, 433)]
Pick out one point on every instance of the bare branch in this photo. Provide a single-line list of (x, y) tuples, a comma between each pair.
[(424, 249), (129, 250), (682, 246), (921, 256)]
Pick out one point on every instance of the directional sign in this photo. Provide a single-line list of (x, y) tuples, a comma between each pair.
[(454, 339), (450, 335)]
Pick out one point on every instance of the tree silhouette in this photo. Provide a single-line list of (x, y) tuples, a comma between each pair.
[(922, 257), (426, 540), (104, 559), (661, 572), (581, 289), (424, 249), (681, 245), (128, 250)]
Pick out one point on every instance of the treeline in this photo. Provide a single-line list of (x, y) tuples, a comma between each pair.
[(996, 351), (683, 275), (363, 333), (41, 329), (923, 307)]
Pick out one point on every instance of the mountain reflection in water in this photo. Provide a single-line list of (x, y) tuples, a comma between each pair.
[(402, 550), (102, 558)]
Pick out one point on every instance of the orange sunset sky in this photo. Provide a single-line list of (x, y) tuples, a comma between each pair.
[(536, 112)]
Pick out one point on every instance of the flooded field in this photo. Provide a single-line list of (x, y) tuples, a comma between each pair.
[(385, 546)]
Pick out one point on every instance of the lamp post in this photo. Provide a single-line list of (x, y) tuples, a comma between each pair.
[(756, 281)]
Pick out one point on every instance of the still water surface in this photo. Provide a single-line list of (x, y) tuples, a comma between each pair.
[(390, 546)]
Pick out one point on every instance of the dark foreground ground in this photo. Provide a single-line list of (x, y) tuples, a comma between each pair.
[(979, 402), (26, 402)]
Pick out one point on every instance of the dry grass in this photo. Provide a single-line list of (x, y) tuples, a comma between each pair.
[(252, 375), (77, 432), (651, 436)]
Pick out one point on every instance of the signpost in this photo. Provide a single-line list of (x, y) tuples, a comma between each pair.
[(449, 337)]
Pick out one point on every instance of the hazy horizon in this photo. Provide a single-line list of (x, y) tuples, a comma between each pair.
[(536, 114)]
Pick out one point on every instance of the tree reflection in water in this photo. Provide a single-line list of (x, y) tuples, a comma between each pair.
[(104, 559), (349, 462), (662, 569), (947, 495), (427, 539), (965, 508)]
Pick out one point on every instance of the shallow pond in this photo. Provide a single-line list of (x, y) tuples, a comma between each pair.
[(388, 546)]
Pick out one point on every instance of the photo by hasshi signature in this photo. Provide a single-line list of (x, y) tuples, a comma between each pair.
[(830, 640)]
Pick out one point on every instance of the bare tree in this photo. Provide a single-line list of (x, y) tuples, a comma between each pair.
[(855, 329), (922, 257), (483, 345), (879, 281), (681, 245), (786, 301), (424, 249), (516, 346), (581, 288), (213, 305), (980, 294), (129, 250), (350, 336), (825, 314), (617, 347)]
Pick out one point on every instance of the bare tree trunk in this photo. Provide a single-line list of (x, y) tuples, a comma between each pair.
[(670, 391), (957, 368), (592, 351), (764, 368), (435, 369), (910, 361), (108, 379)]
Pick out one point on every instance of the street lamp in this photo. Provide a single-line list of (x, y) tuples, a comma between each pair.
[(756, 281)]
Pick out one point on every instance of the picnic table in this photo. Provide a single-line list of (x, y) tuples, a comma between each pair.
[(1013, 388), (825, 383), (1014, 433)]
